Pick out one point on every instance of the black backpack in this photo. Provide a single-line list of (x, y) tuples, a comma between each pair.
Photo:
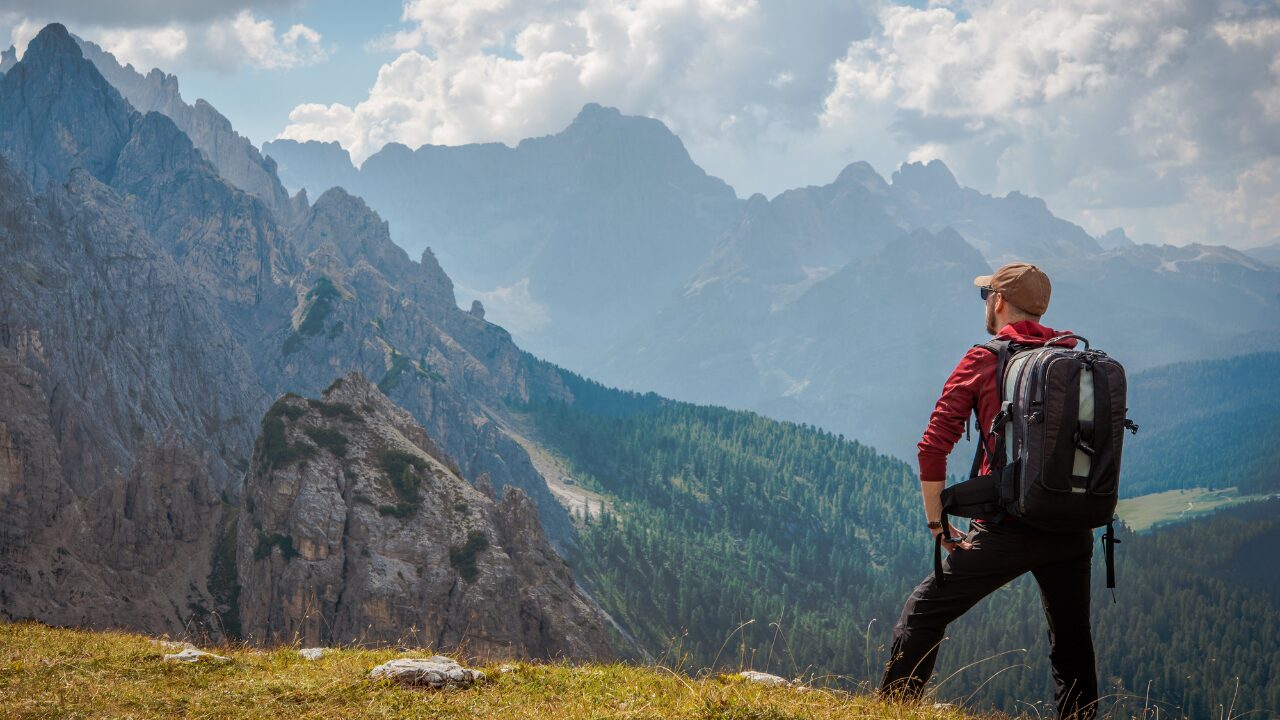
[(1054, 446)]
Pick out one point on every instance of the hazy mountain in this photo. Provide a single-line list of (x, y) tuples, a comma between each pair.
[(566, 238), (1205, 424), (235, 158), (1266, 253), (1114, 239), (8, 58), (819, 307)]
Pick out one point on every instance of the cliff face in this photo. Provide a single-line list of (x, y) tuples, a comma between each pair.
[(235, 158), (363, 305), (112, 451), (357, 528)]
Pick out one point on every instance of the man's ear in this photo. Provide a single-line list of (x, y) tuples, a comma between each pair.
[(999, 305)]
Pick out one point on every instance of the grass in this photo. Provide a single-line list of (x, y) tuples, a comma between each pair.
[(47, 672), (1149, 511)]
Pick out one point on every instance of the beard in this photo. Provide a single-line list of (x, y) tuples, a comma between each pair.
[(991, 319)]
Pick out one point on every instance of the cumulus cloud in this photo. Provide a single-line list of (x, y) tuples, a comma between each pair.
[(1124, 113), (229, 43), (508, 69)]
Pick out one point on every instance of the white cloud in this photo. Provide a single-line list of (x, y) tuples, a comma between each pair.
[(1118, 113), (226, 44), (503, 70), (257, 42), (145, 48)]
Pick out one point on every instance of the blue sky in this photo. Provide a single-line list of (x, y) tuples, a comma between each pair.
[(1161, 116)]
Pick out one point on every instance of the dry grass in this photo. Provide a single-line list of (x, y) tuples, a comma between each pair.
[(49, 672)]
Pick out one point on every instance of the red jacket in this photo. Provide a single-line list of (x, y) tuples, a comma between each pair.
[(972, 384)]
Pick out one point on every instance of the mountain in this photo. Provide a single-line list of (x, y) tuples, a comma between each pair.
[(819, 307), (152, 308), (1205, 424), (399, 542), (564, 238), (113, 454), (235, 158), (822, 305), (1266, 253)]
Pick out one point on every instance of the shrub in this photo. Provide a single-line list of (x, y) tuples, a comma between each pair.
[(337, 409), (463, 558), (332, 440), (276, 449)]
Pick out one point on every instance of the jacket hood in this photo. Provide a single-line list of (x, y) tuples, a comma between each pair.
[(1030, 332)]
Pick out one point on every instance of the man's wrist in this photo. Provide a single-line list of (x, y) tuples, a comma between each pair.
[(935, 524)]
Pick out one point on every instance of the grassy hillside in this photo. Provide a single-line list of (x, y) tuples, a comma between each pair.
[(57, 673)]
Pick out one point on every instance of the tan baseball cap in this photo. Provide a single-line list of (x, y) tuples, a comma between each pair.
[(1024, 285)]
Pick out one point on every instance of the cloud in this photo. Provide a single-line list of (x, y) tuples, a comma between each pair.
[(258, 44), (1116, 112), (226, 44), (486, 70), (135, 13)]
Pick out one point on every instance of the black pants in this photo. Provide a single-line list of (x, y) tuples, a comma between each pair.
[(1001, 552)]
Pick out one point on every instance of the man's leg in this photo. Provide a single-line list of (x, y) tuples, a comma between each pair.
[(969, 576), (1064, 590)]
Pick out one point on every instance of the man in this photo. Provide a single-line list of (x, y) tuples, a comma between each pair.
[(994, 553)]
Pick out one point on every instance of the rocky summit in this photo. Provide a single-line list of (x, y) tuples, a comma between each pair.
[(356, 528)]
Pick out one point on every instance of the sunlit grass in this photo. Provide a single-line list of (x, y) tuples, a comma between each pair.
[(47, 672)]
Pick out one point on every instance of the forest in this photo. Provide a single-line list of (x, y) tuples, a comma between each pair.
[(734, 540)]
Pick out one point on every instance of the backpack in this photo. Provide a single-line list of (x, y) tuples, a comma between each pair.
[(1054, 446)]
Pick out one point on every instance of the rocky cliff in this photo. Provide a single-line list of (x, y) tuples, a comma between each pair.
[(148, 310), (356, 528), (235, 158), (113, 453)]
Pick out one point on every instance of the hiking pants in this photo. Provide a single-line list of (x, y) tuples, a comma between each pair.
[(1001, 552)]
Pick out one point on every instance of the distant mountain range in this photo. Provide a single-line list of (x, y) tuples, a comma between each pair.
[(843, 305)]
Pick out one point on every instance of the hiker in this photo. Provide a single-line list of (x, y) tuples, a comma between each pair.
[(995, 551)]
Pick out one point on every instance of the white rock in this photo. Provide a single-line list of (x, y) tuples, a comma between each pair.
[(313, 653), (435, 672), (192, 655), (763, 678)]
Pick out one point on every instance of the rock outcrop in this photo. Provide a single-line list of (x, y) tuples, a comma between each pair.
[(358, 529)]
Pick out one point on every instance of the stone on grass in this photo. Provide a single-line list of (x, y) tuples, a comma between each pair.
[(763, 678), (313, 653), (433, 672), (193, 655)]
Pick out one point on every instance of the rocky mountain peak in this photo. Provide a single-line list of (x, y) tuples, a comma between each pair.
[(357, 527), (51, 41), (931, 178), (8, 58), (861, 173), (58, 112)]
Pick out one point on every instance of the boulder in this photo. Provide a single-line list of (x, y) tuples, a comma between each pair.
[(435, 672)]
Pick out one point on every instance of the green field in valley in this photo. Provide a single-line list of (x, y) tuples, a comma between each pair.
[(1148, 511)]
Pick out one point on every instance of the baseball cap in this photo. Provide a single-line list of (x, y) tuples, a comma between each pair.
[(1023, 284)]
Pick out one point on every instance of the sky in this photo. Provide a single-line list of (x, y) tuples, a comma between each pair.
[(1161, 117)]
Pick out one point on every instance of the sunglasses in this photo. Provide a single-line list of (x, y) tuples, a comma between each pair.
[(986, 292)]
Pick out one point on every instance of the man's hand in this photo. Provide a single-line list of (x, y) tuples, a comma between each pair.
[(951, 547), (932, 492)]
